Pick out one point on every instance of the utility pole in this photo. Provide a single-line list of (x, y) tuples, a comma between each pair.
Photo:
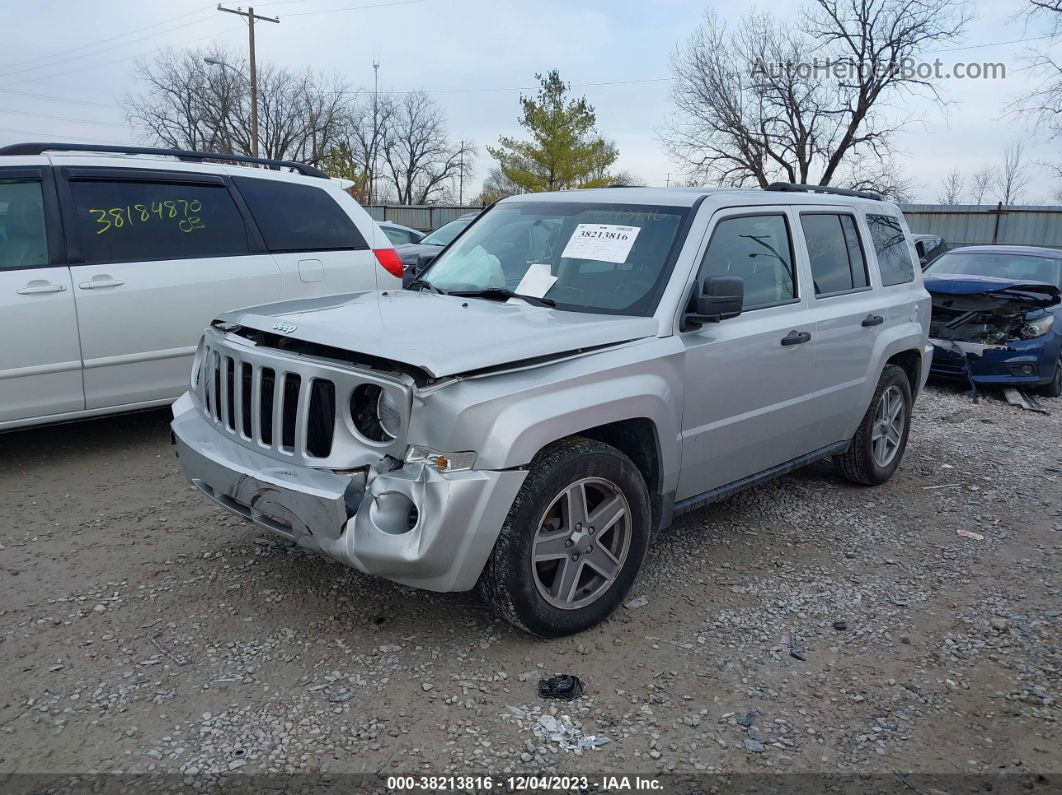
[(667, 184), (375, 122), (251, 17)]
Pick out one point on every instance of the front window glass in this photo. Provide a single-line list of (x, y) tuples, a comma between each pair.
[(447, 232), (756, 248), (398, 237), (611, 258), (1018, 267), (22, 234)]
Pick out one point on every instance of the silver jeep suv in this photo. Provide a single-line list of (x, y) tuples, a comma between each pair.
[(567, 376)]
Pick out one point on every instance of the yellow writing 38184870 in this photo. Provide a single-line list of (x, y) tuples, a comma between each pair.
[(184, 212)]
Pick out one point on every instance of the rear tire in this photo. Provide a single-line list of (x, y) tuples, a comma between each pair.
[(573, 541), (879, 443)]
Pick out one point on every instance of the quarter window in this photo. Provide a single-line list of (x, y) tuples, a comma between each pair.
[(294, 217), (140, 220), (758, 249), (837, 263), (23, 241), (890, 245)]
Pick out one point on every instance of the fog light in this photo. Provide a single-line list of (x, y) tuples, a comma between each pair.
[(1022, 369), (393, 513)]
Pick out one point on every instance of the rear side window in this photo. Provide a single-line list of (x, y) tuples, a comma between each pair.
[(398, 237), (129, 221), (894, 255), (296, 217), (23, 241), (835, 253), (757, 248)]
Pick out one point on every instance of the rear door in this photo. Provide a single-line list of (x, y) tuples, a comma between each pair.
[(749, 378), (155, 256), (848, 312), (312, 236), (40, 357)]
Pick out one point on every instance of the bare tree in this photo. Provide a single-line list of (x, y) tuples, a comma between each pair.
[(1042, 105), (951, 188), (750, 108), (983, 179), (1012, 176), (191, 104), (421, 161), (881, 176), (497, 186)]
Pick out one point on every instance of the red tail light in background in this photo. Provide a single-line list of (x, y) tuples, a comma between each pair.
[(389, 261)]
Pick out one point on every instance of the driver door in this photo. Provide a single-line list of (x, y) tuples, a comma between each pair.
[(748, 381)]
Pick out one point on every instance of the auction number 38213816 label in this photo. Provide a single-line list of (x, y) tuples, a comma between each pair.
[(183, 212)]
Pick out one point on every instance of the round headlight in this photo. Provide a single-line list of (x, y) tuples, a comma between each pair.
[(389, 413), (376, 413)]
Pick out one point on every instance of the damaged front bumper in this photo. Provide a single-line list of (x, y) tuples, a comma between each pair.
[(408, 523), (1029, 362)]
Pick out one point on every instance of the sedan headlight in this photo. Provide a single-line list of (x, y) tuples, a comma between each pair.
[(1038, 327), (444, 462)]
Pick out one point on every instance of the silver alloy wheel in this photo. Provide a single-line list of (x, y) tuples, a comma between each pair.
[(888, 426), (581, 543)]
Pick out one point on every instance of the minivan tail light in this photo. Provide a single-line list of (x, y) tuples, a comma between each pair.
[(389, 261)]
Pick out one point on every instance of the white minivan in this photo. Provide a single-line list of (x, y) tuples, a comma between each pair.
[(112, 259)]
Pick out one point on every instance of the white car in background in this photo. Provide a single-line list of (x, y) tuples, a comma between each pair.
[(113, 259)]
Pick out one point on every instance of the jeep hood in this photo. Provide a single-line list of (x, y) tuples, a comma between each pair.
[(441, 334), (1031, 294)]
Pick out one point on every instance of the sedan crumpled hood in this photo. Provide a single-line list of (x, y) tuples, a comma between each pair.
[(408, 252), (1038, 294), (443, 335)]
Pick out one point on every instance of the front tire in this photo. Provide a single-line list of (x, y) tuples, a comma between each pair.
[(573, 541), (1054, 389), (880, 440)]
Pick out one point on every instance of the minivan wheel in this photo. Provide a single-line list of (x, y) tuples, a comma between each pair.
[(573, 541), (880, 440), (1054, 387)]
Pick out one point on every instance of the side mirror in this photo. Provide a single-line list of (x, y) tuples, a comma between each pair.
[(923, 262), (720, 298), (423, 261)]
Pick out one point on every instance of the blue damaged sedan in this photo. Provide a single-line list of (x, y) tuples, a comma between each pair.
[(997, 318)]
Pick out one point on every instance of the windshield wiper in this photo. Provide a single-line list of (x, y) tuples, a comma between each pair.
[(422, 283), (501, 293)]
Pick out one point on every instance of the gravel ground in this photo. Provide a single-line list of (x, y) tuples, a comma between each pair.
[(805, 625)]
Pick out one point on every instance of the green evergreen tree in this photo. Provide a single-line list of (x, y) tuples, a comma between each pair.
[(565, 150)]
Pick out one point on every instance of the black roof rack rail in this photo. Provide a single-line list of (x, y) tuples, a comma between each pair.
[(800, 187), (180, 154)]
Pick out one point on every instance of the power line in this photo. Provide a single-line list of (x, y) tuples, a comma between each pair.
[(95, 44), (32, 134), (59, 99), (62, 118), (87, 67), (34, 68), (353, 8)]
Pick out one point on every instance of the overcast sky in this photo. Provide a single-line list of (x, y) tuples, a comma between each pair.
[(474, 56)]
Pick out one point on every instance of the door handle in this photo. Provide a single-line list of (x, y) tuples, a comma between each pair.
[(36, 288), (796, 337), (95, 284), (873, 320)]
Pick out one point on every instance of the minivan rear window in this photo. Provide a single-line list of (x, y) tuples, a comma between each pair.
[(894, 255), (118, 221), (295, 217)]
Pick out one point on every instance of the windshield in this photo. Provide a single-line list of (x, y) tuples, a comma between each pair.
[(447, 232), (1017, 267), (611, 258)]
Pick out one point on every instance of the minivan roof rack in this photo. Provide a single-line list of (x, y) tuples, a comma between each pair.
[(800, 187), (180, 154)]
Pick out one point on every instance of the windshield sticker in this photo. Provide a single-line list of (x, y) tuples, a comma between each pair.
[(536, 282), (601, 242)]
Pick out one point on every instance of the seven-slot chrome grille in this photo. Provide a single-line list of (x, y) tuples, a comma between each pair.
[(296, 407)]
